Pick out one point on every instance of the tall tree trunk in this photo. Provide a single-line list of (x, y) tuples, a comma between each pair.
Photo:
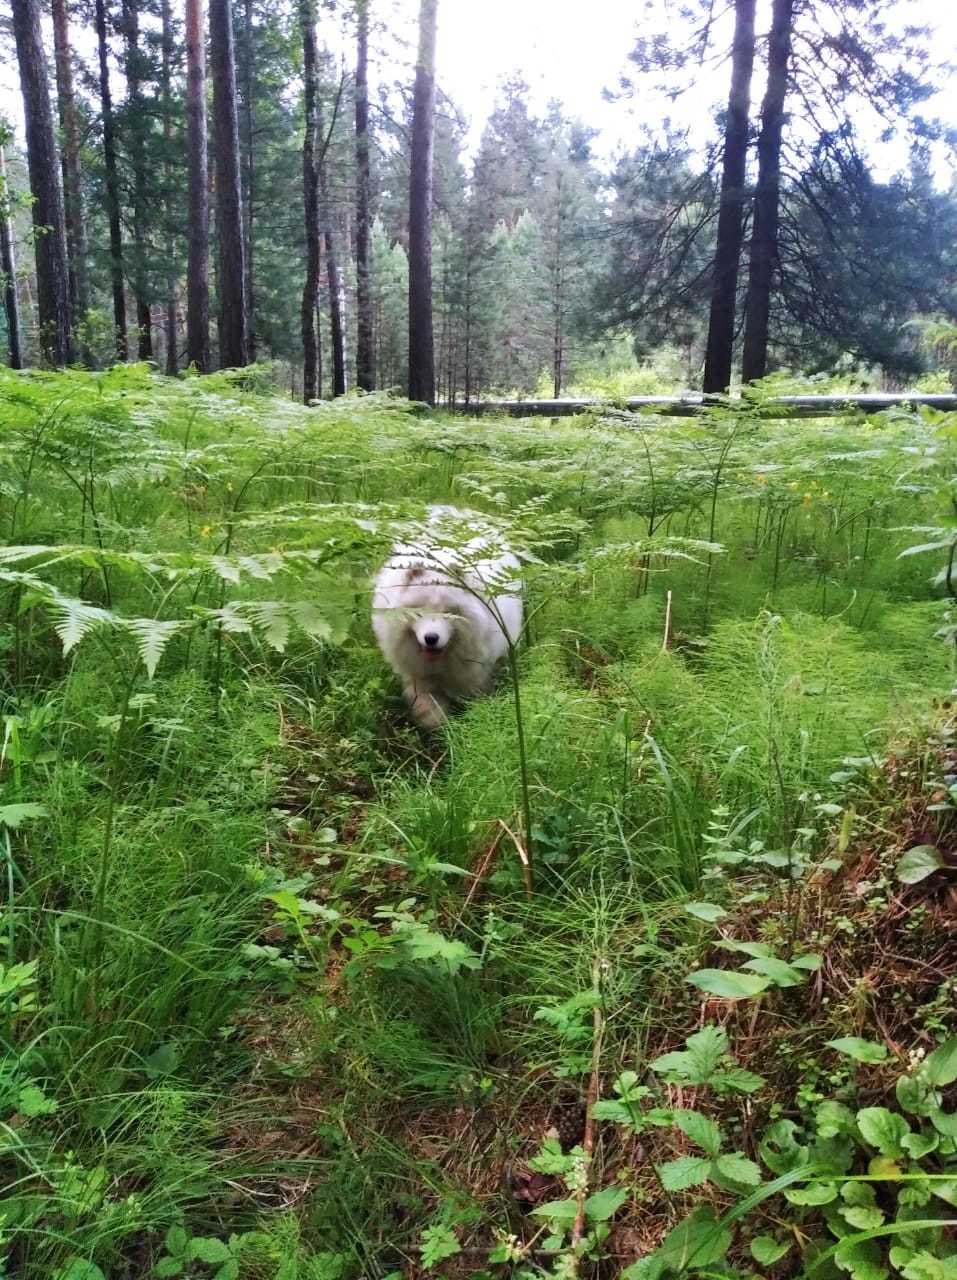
[(197, 271), (558, 291), (421, 349), (365, 331), (727, 255), (8, 266), (250, 185), (141, 289), (133, 69), (53, 283), (764, 233), (112, 186), (70, 155), (310, 189), (233, 338), (337, 324), (172, 353)]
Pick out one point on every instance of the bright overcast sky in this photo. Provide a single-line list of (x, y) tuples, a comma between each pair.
[(571, 50)]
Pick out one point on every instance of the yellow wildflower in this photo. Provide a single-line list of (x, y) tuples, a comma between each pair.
[(807, 499), (762, 479), (206, 530), (793, 484)]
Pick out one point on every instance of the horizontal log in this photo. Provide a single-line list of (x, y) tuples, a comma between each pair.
[(692, 406)]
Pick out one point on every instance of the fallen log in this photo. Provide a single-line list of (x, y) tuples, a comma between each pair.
[(693, 406)]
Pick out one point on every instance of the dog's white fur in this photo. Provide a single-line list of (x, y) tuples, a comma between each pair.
[(439, 613)]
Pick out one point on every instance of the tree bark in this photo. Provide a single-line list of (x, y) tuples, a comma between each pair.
[(250, 185), (727, 257), (421, 348), (365, 330), (337, 325), (112, 187), (53, 283), (141, 289), (70, 156), (8, 266), (172, 352), (764, 233), (558, 292), (197, 271), (310, 189), (233, 335)]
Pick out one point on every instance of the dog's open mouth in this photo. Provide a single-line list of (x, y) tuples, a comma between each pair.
[(430, 655)]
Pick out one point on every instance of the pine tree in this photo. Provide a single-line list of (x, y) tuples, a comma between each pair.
[(197, 286), (421, 348), (310, 186), (8, 263), (233, 348), (172, 350), (112, 184), (365, 332), (727, 254), (337, 319), (53, 284), (70, 153)]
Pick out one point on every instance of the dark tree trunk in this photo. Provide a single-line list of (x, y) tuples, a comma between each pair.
[(141, 290), (337, 324), (319, 341), (112, 186), (558, 291), (727, 257), (250, 185), (70, 155), (8, 266), (233, 341), (172, 353), (764, 233), (53, 283), (365, 330), (310, 188), (197, 271), (421, 348)]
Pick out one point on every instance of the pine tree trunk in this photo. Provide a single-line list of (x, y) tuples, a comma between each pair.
[(172, 352), (337, 326), (197, 271), (72, 190), (141, 290), (8, 266), (727, 257), (310, 189), (53, 283), (558, 292), (233, 337), (764, 233), (250, 185), (421, 349), (365, 331), (112, 187)]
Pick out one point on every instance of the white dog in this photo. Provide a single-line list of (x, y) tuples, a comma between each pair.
[(441, 613)]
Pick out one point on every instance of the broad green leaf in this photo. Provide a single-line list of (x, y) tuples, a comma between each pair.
[(767, 1250), (860, 1050), (815, 1193), (33, 1102), (729, 984), (810, 961), (79, 1269), (780, 1149), (15, 815), (940, 1067), (915, 1095), (617, 1112), (560, 1210), (863, 1217), (834, 1118), (702, 1130), (738, 1079), (738, 1168), (861, 1259), (169, 1267), (176, 1241), (918, 1145), (759, 950), (698, 1241), (781, 974), (918, 863), (604, 1204), (208, 1249), (945, 1122), (946, 1191), (686, 1171), (706, 911), (884, 1130)]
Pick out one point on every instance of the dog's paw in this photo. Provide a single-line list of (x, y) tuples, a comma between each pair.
[(426, 710)]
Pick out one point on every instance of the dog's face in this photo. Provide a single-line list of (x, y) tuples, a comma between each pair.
[(432, 627)]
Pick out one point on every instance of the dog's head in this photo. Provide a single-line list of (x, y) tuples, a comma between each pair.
[(433, 624)]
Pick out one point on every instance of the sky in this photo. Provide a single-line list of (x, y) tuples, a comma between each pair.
[(572, 50)]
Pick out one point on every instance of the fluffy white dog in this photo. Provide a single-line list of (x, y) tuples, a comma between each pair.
[(441, 612)]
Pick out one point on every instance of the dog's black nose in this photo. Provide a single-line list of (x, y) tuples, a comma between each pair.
[(431, 639)]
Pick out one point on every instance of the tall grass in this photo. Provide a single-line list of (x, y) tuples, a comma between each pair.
[(256, 985)]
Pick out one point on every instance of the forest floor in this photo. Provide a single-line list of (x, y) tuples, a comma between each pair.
[(289, 991)]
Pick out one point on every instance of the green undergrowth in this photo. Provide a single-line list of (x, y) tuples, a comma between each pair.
[(289, 990)]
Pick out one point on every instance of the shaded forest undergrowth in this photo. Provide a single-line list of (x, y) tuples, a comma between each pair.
[(282, 996)]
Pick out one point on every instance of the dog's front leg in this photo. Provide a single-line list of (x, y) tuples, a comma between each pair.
[(427, 709)]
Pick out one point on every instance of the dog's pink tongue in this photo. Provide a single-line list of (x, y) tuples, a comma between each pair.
[(431, 655)]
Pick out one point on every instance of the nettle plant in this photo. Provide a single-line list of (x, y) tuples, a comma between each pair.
[(868, 1192)]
